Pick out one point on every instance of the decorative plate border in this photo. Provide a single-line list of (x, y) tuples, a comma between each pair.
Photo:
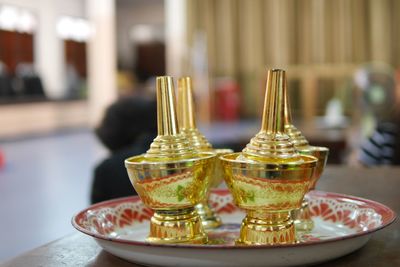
[(222, 201)]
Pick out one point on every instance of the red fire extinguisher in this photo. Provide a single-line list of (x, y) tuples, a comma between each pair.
[(227, 100), (2, 159)]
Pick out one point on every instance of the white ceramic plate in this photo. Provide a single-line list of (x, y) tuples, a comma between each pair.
[(342, 225)]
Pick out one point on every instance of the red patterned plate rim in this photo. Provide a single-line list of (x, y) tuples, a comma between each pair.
[(388, 215)]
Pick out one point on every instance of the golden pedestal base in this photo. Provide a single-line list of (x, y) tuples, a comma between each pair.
[(302, 217), (267, 228), (208, 217), (177, 226)]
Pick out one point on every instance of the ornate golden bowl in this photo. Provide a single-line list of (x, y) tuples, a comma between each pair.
[(267, 192), (321, 153), (208, 216), (171, 177), (187, 126), (175, 184), (218, 174), (269, 178), (172, 190), (302, 216)]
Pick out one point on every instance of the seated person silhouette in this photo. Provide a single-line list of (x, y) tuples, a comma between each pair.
[(127, 129), (383, 146), (378, 85)]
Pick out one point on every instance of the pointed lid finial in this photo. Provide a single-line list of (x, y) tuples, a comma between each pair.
[(271, 141), (295, 135), (170, 144), (186, 115)]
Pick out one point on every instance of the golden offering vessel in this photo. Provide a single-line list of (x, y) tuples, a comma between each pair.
[(269, 179), (187, 125), (171, 177), (301, 216)]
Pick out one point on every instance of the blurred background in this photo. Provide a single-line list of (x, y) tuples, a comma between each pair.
[(62, 63)]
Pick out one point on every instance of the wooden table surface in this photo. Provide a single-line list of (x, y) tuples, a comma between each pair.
[(379, 184)]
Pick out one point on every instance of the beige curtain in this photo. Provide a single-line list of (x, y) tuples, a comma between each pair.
[(309, 38)]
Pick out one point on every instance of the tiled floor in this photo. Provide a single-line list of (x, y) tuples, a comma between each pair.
[(43, 183)]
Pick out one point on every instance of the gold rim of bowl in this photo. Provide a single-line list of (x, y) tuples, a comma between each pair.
[(141, 162), (306, 162), (310, 149), (221, 151)]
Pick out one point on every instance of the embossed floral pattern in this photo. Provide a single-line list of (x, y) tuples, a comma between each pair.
[(353, 215), (349, 214)]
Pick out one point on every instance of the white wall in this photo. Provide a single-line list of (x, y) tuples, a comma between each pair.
[(74, 8), (101, 58), (22, 3), (134, 12), (64, 7)]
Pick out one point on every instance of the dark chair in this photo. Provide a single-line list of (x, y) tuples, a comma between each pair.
[(6, 89)]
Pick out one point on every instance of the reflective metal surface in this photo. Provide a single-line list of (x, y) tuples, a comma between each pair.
[(171, 178), (269, 178), (187, 125), (302, 216)]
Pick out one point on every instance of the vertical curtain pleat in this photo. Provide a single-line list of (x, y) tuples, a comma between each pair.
[(245, 37)]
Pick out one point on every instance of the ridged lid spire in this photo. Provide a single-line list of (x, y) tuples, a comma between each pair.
[(186, 117), (272, 141), (170, 144), (295, 135)]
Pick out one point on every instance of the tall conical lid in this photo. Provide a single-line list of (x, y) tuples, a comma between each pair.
[(295, 135), (170, 144), (186, 118), (272, 143)]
